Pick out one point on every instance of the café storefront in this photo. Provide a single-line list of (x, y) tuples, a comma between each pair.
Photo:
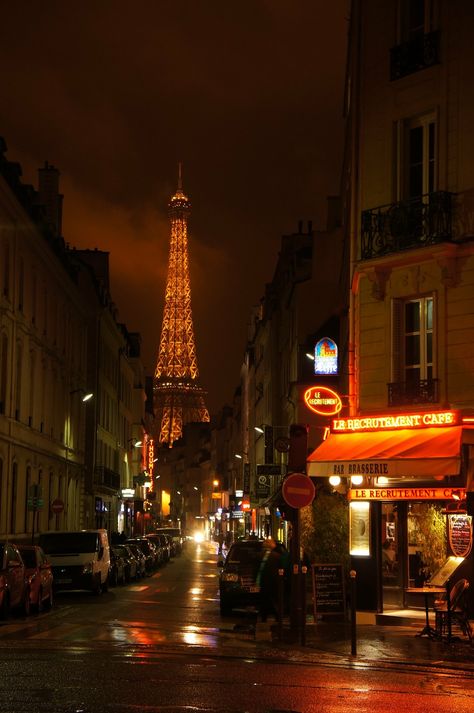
[(409, 481)]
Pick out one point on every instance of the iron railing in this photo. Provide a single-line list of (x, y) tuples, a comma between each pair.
[(423, 391), (419, 53), (106, 478), (407, 225)]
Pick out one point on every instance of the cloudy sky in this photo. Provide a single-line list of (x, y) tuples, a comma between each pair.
[(246, 93)]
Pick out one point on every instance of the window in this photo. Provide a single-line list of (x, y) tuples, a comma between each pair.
[(415, 19), (413, 368), (418, 157), (13, 498), (3, 372)]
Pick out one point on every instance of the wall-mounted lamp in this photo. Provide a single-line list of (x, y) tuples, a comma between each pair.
[(259, 429), (134, 442), (310, 356), (357, 479), (86, 395), (334, 480), (195, 487)]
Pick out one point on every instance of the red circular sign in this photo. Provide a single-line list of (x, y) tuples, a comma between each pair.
[(323, 400), (298, 490), (57, 506)]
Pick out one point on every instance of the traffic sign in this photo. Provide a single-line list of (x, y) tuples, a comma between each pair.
[(268, 469), (57, 506), (298, 490)]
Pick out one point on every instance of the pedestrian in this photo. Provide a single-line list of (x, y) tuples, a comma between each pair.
[(267, 579), (220, 540)]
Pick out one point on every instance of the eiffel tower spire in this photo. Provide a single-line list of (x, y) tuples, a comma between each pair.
[(178, 398)]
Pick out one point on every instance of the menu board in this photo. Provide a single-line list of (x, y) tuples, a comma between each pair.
[(328, 589), (460, 534), (440, 577)]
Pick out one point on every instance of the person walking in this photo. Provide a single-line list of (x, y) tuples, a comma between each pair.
[(267, 579)]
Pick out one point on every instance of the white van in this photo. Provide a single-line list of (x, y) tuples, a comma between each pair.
[(79, 560)]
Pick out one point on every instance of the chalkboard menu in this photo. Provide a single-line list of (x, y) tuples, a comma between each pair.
[(460, 534), (328, 589)]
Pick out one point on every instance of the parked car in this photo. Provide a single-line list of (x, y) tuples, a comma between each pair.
[(130, 562), (80, 559), (237, 579), (176, 536), (140, 558), (14, 587), (117, 566), (162, 546), (39, 576), (148, 550)]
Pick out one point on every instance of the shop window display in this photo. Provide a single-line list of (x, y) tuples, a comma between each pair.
[(427, 544)]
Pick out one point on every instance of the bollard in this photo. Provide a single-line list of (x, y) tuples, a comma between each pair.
[(281, 605), (353, 575), (303, 605)]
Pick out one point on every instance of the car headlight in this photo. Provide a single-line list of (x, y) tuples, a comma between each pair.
[(229, 577), (87, 569)]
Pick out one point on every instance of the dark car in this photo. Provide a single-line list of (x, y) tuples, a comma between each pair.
[(237, 581), (162, 546), (139, 557), (14, 588), (149, 551), (39, 576), (130, 562), (117, 566), (176, 538)]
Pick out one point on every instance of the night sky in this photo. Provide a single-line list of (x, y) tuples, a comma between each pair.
[(246, 93)]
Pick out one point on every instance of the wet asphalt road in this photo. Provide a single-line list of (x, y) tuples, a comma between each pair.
[(160, 645)]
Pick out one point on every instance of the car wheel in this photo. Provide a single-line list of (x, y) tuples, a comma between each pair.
[(39, 604), (225, 608), (26, 606), (5, 606), (49, 602)]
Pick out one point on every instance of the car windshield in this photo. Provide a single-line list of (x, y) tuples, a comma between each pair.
[(69, 542), (244, 553), (28, 557)]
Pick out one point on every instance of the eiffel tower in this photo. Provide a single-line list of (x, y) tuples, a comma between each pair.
[(178, 398)]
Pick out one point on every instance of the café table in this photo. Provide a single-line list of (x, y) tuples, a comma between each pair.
[(427, 630)]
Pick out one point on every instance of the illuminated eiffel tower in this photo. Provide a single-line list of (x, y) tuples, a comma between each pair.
[(178, 398)]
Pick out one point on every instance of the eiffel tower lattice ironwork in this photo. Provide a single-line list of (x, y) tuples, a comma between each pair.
[(178, 398)]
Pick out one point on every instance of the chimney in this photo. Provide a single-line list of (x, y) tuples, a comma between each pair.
[(50, 198)]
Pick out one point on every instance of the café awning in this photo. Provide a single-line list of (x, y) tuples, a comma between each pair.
[(424, 452)]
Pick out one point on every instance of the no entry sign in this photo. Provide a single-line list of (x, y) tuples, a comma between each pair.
[(298, 490)]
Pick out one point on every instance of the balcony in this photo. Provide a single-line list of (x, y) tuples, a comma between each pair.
[(422, 391), (106, 478), (409, 57), (407, 225)]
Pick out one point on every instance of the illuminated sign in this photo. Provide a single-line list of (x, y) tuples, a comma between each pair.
[(322, 400), (359, 529), (460, 534), (406, 494), (245, 505), (392, 422), (325, 357), (151, 455), (128, 493)]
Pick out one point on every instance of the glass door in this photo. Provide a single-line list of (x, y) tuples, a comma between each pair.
[(392, 556)]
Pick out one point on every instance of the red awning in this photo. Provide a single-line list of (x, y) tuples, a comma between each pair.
[(426, 452)]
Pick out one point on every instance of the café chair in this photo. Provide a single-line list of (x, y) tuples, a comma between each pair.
[(458, 610)]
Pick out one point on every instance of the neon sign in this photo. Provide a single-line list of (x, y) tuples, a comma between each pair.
[(322, 400), (325, 356), (395, 421), (406, 494)]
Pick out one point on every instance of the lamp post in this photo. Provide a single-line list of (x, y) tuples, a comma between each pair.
[(69, 447)]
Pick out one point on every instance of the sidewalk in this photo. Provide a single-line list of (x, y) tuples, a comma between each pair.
[(381, 644)]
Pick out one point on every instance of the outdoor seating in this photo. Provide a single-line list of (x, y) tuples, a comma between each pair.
[(456, 613)]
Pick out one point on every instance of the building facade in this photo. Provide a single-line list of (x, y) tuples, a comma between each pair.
[(403, 447)]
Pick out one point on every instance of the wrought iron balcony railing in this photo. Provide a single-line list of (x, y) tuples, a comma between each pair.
[(419, 53), (407, 225), (106, 478), (423, 391)]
